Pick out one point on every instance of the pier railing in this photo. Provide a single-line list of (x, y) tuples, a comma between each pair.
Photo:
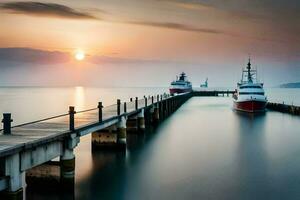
[(73, 119)]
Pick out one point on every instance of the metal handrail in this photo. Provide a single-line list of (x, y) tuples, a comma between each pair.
[(87, 110), (41, 120), (164, 97)]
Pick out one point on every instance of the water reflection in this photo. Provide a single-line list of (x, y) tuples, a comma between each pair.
[(252, 160), (48, 187), (107, 178), (110, 174), (79, 98), (37, 194)]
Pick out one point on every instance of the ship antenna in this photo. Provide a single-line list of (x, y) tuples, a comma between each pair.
[(249, 70), (257, 77)]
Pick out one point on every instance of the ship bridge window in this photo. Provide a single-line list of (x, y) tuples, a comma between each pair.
[(242, 87), (255, 93)]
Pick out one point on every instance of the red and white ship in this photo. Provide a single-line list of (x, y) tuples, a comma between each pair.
[(181, 85), (249, 95)]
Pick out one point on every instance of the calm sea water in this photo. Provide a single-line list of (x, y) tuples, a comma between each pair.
[(204, 150)]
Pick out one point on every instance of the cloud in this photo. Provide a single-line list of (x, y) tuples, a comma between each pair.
[(176, 26), (45, 9), (190, 5), (198, 5), (183, 27)]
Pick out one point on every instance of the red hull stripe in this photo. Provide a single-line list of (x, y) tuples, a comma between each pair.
[(173, 91), (250, 106)]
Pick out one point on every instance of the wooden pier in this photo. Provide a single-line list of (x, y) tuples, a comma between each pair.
[(213, 93), (29, 149), (284, 108)]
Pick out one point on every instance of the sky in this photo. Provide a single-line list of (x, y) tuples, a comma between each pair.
[(205, 38)]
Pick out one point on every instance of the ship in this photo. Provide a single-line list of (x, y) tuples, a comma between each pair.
[(205, 85), (249, 95), (181, 85)]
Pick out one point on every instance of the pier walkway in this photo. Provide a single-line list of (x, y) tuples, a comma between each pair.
[(26, 149)]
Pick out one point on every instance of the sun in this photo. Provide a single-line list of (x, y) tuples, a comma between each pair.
[(79, 55)]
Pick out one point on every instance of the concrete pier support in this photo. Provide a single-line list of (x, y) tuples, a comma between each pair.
[(172, 105), (67, 169), (45, 176), (155, 115), (121, 135), (161, 108), (148, 115), (113, 137), (132, 124), (67, 163), (15, 178), (165, 113), (104, 139), (168, 110), (141, 121), (153, 119)]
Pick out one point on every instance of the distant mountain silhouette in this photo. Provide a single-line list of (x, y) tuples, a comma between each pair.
[(32, 55), (290, 85)]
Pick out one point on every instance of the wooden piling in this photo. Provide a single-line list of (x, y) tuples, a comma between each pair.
[(7, 123), (72, 118), (100, 111), (136, 103), (118, 107)]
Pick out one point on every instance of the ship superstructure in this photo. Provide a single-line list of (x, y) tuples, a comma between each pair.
[(250, 94)]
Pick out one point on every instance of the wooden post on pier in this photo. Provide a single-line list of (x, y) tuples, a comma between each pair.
[(72, 118), (118, 107), (100, 111), (145, 101), (136, 103), (125, 107), (6, 123)]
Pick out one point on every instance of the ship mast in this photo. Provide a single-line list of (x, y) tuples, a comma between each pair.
[(249, 72)]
